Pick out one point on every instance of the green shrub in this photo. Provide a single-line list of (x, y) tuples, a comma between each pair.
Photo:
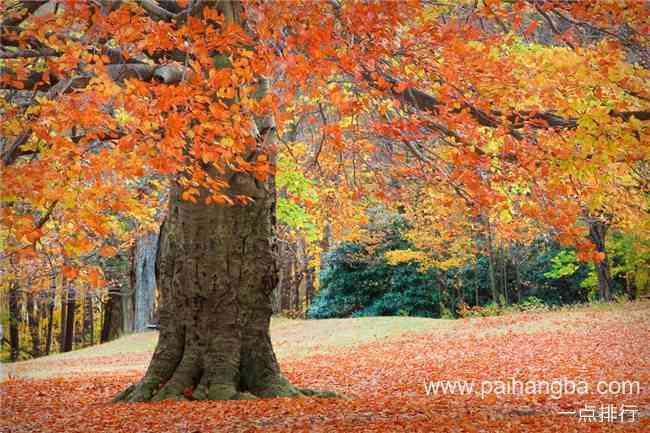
[(357, 283), (532, 303)]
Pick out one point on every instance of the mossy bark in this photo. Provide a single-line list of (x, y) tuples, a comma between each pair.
[(217, 273)]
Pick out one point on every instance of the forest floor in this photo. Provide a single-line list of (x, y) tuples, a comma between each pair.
[(382, 365)]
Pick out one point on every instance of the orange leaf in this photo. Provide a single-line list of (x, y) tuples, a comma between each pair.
[(70, 272), (107, 251)]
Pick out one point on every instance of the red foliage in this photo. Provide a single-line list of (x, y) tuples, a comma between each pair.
[(385, 383)]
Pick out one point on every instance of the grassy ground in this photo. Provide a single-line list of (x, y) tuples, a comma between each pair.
[(291, 338), (380, 363), (303, 338)]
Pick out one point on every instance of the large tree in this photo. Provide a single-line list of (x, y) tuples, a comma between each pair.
[(103, 92)]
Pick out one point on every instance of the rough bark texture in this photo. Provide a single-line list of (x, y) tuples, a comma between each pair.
[(217, 273), (144, 263)]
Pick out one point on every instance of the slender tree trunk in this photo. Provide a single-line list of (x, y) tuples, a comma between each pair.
[(516, 264), (34, 325), (309, 286), (597, 234), (144, 269), (50, 324), (89, 321), (14, 320), (504, 267), (491, 261), (69, 321), (285, 278), (293, 284), (301, 274), (64, 316), (276, 298), (127, 297), (325, 244), (42, 320)]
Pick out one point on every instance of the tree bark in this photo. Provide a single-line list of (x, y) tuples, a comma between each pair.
[(277, 300), (89, 321), (112, 322), (144, 263), (597, 234), (285, 276), (217, 272), (491, 260), (50, 324), (34, 325), (309, 286), (127, 297), (69, 321), (63, 316), (14, 320), (477, 282), (325, 244)]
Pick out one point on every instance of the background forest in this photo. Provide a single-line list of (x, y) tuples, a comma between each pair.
[(381, 266)]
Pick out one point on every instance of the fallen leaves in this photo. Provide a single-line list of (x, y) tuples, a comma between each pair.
[(384, 381)]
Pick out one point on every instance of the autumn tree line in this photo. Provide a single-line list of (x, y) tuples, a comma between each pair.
[(65, 317), (383, 273), (375, 271)]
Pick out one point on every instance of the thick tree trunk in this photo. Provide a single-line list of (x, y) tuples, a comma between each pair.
[(144, 263), (597, 234), (217, 272), (14, 320)]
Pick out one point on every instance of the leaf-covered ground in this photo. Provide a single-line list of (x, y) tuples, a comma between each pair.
[(381, 364)]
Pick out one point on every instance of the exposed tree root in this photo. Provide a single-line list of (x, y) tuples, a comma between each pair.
[(151, 390)]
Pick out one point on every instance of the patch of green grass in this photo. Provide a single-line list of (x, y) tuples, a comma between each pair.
[(302, 338)]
